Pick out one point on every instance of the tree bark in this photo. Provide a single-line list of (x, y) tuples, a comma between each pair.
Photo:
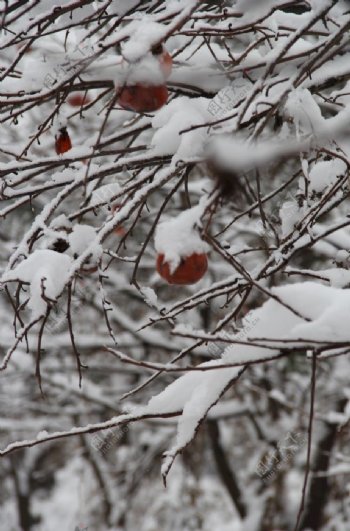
[(225, 472), (319, 488), (25, 517)]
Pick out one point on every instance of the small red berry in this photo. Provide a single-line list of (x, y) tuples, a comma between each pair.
[(63, 142), (77, 99), (119, 230), (190, 270), (86, 269), (143, 98)]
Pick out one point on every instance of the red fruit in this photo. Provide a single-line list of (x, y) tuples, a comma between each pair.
[(63, 142), (78, 100), (119, 228), (166, 64), (191, 269), (88, 269), (143, 98)]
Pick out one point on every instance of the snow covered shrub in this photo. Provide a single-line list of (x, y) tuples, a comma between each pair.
[(208, 141)]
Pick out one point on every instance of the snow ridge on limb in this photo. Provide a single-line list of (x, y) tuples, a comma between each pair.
[(204, 395)]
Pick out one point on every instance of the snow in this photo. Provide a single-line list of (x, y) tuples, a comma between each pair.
[(194, 394), (307, 116), (325, 173), (338, 277), (63, 175), (323, 317), (332, 324), (203, 396), (178, 393), (324, 312), (47, 197), (61, 222), (45, 266), (104, 194), (150, 296), (177, 115), (254, 7), (59, 122), (42, 434), (319, 5), (121, 8), (204, 393), (144, 34), (299, 47), (179, 237), (138, 64), (228, 97), (235, 153), (290, 215), (146, 71), (66, 508), (81, 238)]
